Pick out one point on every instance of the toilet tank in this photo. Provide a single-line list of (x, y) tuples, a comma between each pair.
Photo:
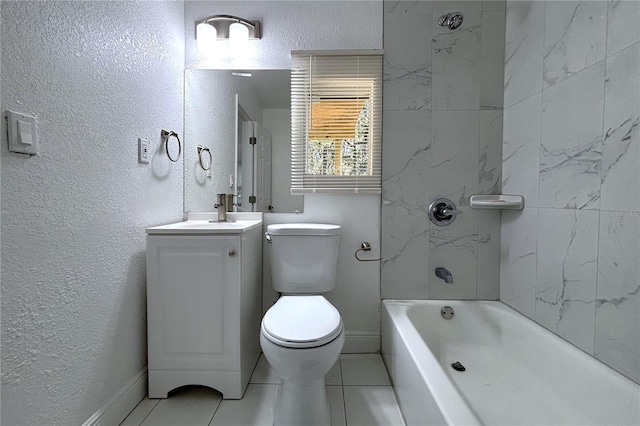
[(303, 257)]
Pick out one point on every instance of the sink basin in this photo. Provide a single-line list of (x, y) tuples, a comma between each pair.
[(205, 227)]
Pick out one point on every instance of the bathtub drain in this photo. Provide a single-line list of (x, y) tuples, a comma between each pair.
[(458, 366), (446, 312)]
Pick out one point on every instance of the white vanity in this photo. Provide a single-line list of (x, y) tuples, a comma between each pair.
[(204, 283)]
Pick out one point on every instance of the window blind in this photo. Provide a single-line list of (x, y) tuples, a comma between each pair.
[(336, 122)]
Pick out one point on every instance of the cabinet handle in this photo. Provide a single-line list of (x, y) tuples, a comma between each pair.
[(232, 253)]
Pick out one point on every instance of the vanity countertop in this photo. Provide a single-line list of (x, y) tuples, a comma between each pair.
[(204, 223)]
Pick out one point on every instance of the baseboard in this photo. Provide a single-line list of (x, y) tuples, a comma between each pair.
[(361, 342), (122, 403)]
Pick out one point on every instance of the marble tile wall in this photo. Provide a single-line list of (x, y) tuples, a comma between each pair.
[(571, 146), (443, 93)]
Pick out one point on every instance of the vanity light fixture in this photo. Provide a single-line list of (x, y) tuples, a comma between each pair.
[(225, 27)]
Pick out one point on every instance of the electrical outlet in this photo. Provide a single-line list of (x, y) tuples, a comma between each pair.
[(143, 151)]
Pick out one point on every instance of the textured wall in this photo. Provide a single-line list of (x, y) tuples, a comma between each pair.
[(570, 260), (97, 75), (316, 25), (441, 138)]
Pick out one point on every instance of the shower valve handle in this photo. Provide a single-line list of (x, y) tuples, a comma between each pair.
[(450, 212)]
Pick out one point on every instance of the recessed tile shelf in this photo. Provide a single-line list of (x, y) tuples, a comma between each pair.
[(497, 202)]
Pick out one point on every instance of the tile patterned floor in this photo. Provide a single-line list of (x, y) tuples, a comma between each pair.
[(358, 388)]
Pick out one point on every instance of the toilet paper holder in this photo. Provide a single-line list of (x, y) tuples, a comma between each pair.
[(365, 246)]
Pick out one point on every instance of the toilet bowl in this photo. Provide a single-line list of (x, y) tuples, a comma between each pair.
[(302, 334), (302, 352)]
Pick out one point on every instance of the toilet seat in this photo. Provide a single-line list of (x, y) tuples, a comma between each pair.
[(302, 322)]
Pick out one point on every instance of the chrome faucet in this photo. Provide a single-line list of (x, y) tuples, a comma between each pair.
[(444, 274), (222, 208)]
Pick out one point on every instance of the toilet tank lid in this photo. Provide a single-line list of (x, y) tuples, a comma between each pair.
[(303, 229)]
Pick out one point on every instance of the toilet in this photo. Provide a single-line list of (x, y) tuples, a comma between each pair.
[(302, 333)]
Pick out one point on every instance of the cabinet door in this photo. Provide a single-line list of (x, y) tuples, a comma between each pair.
[(193, 293)]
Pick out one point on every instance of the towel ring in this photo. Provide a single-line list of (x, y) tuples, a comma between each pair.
[(200, 150), (166, 135)]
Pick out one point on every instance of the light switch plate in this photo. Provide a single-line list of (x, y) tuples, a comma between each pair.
[(22, 135)]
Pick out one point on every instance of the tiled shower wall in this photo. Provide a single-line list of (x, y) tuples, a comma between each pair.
[(443, 94), (570, 260)]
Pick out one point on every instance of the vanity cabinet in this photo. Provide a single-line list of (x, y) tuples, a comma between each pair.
[(203, 309)]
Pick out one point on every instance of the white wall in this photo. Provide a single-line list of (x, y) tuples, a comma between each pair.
[(97, 75), (311, 25)]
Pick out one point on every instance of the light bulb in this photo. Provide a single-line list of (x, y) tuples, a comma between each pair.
[(238, 36), (206, 35)]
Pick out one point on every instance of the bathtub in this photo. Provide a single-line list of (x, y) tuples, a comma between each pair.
[(517, 372)]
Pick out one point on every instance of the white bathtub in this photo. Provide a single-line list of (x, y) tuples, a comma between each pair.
[(517, 372)]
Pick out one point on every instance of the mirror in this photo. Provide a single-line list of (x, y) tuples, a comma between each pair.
[(224, 111)]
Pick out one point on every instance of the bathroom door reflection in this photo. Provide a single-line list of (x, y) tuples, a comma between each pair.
[(253, 164)]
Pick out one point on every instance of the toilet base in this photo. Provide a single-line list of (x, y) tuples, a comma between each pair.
[(302, 404), (302, 396)]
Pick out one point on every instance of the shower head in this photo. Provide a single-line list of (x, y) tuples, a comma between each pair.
[(451, 20)]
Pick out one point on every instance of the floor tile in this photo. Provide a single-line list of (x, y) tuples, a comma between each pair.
[(365, 398), (255, 408), (193, 406), (142, 410), (336, 405), (363, 369), (263, 373), (372, 405)]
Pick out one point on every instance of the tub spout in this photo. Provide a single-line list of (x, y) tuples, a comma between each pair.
[(445, 275)]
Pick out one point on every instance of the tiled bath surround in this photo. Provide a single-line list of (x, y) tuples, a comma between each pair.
[(442, 138), (570, 260)]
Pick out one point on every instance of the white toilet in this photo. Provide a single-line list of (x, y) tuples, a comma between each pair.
[(302, 333)]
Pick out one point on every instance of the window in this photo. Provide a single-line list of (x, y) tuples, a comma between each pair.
[(336, 102)]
